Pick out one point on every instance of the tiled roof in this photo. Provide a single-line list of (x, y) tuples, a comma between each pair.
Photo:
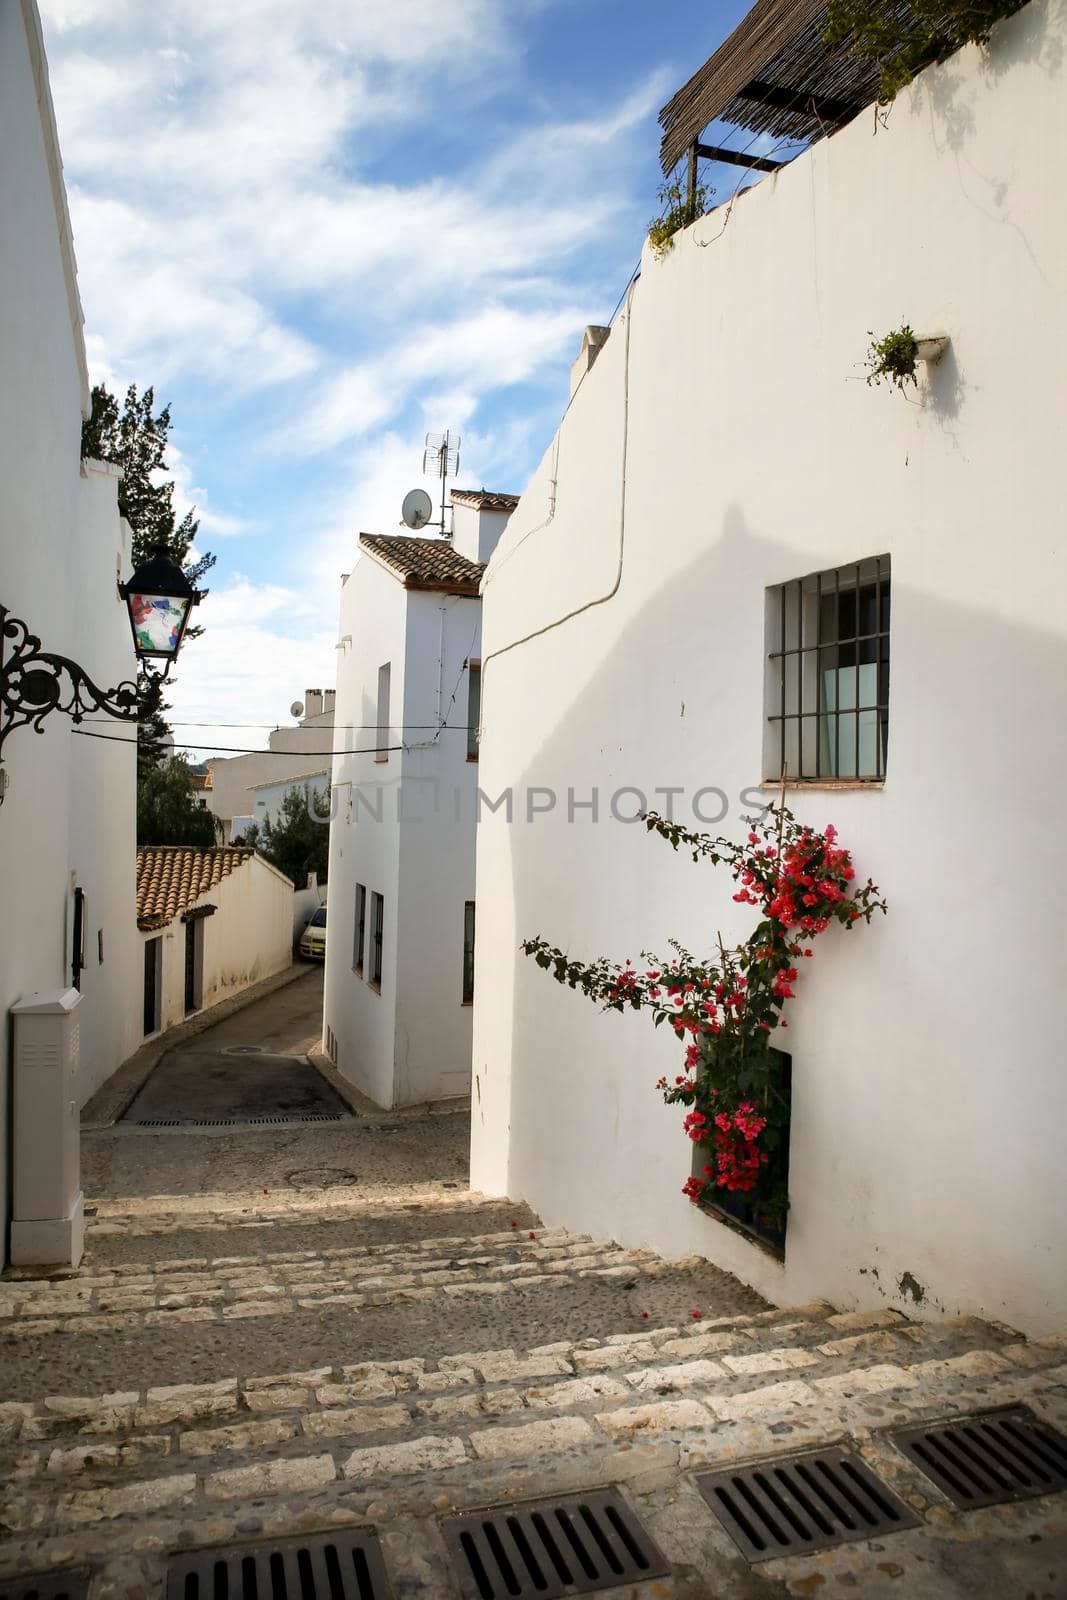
[(486, 500), (170, 877), (424, 563)]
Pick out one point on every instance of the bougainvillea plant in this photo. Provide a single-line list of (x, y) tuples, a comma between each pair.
[(726, 1009)]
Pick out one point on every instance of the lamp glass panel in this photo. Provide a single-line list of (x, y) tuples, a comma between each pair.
[(157, 622)]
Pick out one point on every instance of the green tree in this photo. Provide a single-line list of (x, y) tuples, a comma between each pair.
[(167, 808), (134, 437), (299, 842)]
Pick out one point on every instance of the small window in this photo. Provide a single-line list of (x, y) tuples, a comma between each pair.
[(381, 751), (468, 952), (827, 684), (359, 936), (474, 707), (377, 926)]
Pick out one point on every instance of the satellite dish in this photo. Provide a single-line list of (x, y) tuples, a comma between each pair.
[(296, 709), (417, 509)]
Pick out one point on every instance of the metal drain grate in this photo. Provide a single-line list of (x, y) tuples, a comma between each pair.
[(325, 1566), (69, 1585), (548, 1548), (237, 1122), (789, 1505), (984, 1460)]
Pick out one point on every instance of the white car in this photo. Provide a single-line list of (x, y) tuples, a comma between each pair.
[(313, 938)]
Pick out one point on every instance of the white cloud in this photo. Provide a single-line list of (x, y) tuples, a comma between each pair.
[(249, 225)]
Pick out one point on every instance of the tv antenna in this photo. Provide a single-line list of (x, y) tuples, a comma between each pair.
[(440, 459)]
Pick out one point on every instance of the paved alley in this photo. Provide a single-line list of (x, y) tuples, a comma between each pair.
[(278, 1330)]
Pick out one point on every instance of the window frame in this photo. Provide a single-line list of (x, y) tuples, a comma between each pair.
[(474, 707), (381, 719), (826, 708), (359, 932), (469, 924), (377, 938)]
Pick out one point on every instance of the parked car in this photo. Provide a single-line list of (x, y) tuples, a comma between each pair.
[(313, 938)]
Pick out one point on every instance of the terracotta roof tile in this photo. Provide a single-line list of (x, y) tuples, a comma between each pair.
[(486, 500), (424, 563), (170, 877)]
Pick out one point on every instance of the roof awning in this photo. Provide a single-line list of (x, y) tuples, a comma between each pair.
[(772, 75)]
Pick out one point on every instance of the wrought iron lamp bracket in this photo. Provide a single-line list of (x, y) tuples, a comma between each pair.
[(36, 682)]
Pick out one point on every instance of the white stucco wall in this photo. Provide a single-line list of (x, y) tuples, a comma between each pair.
[(722, 444), (412, 1041), (67, 819), (249, 937), (268, 797)]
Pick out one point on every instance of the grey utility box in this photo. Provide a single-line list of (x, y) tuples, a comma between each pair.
[(48, 1221)]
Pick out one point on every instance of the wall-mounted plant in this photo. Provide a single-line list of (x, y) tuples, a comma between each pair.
[(900, 40), (677, 213), (893, 358)]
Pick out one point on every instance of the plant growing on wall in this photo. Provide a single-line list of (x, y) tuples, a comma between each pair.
[(726, 1007), (677, 212), (900, 40), (893, 359)]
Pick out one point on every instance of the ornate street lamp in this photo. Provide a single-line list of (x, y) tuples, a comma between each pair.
[(35, 682)]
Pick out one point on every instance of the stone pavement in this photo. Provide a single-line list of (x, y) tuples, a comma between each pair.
[(633, 1390), (280, 1330)]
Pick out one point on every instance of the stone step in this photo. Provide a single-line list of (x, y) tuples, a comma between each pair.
[(213, 1456), (185, 1290), (730, 1361)]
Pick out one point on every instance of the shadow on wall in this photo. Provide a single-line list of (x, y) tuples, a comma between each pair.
[(934, 989)]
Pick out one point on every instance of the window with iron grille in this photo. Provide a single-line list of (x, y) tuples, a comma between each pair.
[(377, 925), (359, 935), (474, 707), (468, 952), (827, 682)]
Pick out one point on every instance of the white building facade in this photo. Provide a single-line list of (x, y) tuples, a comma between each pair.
[(402, 915), (237, 782), (68, 819), (723, 448)]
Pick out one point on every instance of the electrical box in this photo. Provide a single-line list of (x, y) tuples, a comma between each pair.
[(48, 1223)]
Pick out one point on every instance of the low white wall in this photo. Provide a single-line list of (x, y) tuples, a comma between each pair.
[(724, 443), (249, 937)]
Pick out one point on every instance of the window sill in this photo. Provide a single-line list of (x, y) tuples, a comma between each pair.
[(768, 786), (358, 971), (381, 761), (717, 1214), (474, 759), (375, 988), (466, 1002)]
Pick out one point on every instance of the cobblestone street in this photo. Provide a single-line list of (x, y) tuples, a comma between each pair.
[(285, 1329)]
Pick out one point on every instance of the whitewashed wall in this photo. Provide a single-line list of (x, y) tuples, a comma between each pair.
[(412, 1041), (249, 937), (68, 815), (724, 442), (362, 849)]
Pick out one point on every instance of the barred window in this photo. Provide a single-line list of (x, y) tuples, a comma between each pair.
[(377, 925), (827, 682), (359, 934), (468, 952)]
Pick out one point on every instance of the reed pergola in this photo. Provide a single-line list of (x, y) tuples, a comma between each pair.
[(774, 74)]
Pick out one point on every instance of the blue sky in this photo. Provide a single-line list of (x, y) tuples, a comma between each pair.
[(322, 227)]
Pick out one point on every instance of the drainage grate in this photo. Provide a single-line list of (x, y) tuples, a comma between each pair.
[(237, 1122), (325, 1566), (792, 1504), (548, 1548), (70, 1585), (984, 1460)]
